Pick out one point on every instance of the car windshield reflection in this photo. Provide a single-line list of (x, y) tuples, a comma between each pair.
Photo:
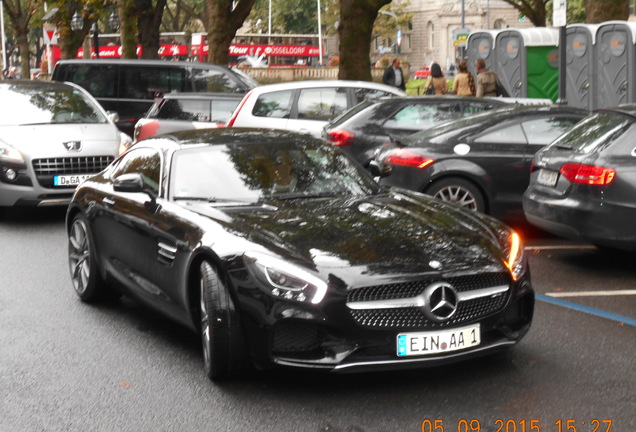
[(257, 172)]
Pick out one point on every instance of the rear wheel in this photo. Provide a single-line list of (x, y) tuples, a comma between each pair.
[(460, 192), (222, 337), (82, 261)]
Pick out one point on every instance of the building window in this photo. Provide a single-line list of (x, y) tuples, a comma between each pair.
[(499, 24), (431, 35)]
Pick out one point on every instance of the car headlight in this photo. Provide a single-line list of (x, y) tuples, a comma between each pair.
[(124, 142), (9, 153), (284, 280), (514, 255)]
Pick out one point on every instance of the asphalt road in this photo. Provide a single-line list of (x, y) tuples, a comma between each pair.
[(67, 366)]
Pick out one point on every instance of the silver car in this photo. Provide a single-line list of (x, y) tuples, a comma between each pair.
[(52, 137)]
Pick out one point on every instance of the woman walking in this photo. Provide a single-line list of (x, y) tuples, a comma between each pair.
[(436, 81), (464, 84)]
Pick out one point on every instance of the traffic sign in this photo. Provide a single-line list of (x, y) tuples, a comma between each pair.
[(49, 31)]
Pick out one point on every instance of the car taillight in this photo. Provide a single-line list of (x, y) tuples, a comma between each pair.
[(587, 174), (407, 158), (232, 119), (341, 138)]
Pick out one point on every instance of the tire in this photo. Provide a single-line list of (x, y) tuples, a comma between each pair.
[(82, 260), (459, 192), (224, 354)]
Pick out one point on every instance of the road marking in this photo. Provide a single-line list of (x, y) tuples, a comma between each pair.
[(565, 247), (592, 293), (586, 309)]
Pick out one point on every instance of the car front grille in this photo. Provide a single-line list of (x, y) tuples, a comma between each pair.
[(71, 165), (414, 317), (46, 168)]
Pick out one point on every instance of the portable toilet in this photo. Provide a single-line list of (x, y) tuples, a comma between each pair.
[(581, 66), (528, 62), (616, 57), (481, 45)]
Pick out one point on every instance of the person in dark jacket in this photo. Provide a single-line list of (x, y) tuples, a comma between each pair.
[(393, 75)]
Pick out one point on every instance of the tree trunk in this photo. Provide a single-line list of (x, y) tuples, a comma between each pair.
[(25, 55), (221, 22), (355, 29), (148, 23), (128, 30), (598, 11)]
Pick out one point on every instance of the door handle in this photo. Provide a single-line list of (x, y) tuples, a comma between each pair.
[(109, 201)]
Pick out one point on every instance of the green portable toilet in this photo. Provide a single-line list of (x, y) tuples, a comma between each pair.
[(481, 45), (528, 62), (616, 63)]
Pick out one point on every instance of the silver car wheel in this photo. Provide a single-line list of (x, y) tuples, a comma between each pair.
[(205, 325), (79, 256), (457, 195)]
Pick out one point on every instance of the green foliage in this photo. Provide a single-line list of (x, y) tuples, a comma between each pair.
[(385, 25), (576, 11), (288, 16)]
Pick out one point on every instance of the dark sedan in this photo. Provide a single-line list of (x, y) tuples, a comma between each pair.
[(280, 250), (583, 186), (480, 162), (370, 124)]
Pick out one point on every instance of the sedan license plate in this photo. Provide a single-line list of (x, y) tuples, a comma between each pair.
[(70, 180), (425, 343), (547, 178)]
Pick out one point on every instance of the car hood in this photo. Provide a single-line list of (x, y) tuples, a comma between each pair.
[(48, 140), (396, 233)]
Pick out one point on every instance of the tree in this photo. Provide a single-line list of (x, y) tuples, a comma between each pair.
[(221, 22), (534, 10), (21, 13), (128, 28), (355, 30), (182, 15), (69, 40), (605, 10), (288, 16), (148, 24)]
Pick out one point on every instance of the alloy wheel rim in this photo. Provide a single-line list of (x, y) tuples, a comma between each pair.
[(79, 256), (457, 195), (205, 326)]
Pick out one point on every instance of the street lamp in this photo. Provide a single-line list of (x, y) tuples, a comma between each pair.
[(77, 23)]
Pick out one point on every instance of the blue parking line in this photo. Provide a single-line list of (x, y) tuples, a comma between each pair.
[(586, 309)]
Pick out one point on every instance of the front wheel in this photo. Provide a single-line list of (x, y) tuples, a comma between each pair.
[(459, 192), (221, 333), (82, 261)]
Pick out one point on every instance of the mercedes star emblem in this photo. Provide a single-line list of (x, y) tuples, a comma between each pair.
[(440, 301)]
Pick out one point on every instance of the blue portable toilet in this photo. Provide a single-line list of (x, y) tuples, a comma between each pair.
[(528, 63), (616, 57), (581, 66), (481, 45)]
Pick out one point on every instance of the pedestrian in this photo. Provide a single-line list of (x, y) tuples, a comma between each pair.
[(436, 81), (486, 80), (393, 75), (464, 84)]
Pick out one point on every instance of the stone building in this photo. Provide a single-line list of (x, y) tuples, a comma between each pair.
[(436, 22)]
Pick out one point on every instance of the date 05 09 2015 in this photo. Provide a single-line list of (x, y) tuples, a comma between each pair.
[(594, 425)]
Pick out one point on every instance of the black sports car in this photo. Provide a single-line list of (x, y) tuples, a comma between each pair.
[(279, 249), (583, 186), (481, 162)]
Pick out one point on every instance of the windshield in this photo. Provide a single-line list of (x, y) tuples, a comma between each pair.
[(245, 78), (27, 104), (596, 130), (444, 131), (352, 112), (249, 173)]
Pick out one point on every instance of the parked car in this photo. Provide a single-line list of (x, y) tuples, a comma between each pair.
[(52, 136), (130, 87), (304, 106), (370, 124), (583, 186), (422, 73), (480, 162), (184, 111), (280, 250)]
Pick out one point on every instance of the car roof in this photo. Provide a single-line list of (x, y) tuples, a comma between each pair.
[(189, 95), (36, 84), (628, 109), (141, 62), (326, 83)]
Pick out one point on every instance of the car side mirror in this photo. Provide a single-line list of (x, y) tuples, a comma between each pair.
[(133, 183), (112, 116), (378, 169)]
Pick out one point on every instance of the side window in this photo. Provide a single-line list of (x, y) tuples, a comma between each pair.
[(143, 160), (216, 81), (365, 93), (147, 82), (421, 116), (321, 103), (545, 130), (190, 110), (99, 81), (222, 110), (511, 134), (274, 104)]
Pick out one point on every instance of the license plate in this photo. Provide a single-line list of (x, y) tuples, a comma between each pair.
[(70, 180), (426, 343), (547, 178)]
